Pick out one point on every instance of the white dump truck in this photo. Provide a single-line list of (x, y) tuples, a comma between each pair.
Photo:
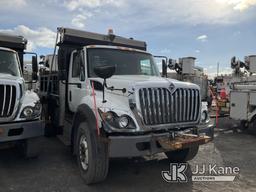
[(106, 99), (243, 93), (20, 109)]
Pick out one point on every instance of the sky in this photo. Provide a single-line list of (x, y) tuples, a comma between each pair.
[(211, 30)]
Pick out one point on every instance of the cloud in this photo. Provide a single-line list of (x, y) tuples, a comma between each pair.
[(80, 4), (245, 4), (184, 12), (79, 20), (240, 5), (86, 9), (12, 3), (197, 51), (202, 38), (151, 14), (41, 37)]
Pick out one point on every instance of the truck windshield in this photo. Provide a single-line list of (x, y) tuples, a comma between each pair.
[(9, 63), (126, 62)]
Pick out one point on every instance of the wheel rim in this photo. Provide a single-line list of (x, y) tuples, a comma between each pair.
[(83, 152)]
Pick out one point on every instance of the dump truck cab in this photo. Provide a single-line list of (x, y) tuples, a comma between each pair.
[(107, 100), (20, 109)]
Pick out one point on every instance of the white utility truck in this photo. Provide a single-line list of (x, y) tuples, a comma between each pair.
[(107, 100), (20, 109), (243, 93), (184, 69)]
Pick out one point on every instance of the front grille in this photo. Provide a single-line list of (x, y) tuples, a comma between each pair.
[(7, 100), (160, 106)]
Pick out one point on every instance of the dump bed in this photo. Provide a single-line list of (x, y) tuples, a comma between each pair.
[(83, 38), (17, 43), (71, 39)]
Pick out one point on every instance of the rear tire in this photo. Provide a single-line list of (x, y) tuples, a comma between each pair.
[(244, 125), (182, 155), (51, 117), (92, 154)]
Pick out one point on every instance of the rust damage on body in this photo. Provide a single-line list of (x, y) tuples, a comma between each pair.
[(182, 141)]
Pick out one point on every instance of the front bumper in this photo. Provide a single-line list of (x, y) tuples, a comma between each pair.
[(21, 130), (141, 145), (207, 129)]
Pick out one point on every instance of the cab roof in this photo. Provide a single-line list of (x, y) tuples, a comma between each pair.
[(6, 49), (115, 47)]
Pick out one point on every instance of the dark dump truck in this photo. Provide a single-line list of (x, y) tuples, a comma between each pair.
[(106, 99)]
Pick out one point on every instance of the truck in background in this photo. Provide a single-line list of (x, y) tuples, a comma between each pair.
[(244, 109), (184, 69), (20, 109), (106, 99)]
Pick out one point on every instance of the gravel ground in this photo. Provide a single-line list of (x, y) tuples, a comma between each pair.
[(56, 169)]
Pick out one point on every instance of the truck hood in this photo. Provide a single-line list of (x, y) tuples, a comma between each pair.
[(118, 100), (7, 77), (130, 82)]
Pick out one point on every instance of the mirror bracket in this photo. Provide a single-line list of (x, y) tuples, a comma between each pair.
[(103, 91)]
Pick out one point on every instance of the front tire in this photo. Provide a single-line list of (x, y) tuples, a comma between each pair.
[(182, 155), (92, 154)]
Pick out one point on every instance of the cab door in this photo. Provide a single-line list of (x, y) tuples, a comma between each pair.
[(76, 84)]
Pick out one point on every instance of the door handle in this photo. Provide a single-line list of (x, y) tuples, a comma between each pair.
[(79, 85)]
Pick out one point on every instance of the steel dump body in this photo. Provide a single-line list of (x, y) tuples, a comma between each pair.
[(16, 43), (82, 38)]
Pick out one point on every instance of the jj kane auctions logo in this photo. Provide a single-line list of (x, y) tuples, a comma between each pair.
[(177, 173)]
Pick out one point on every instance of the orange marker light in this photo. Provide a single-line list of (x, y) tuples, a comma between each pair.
[(110, 31)]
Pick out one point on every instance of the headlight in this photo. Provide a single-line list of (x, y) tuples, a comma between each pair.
[(204, 116), (123, 122), (30, 112), (115, 121), (108, 116)]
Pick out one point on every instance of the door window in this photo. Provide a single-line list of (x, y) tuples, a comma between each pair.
[(78, 66)]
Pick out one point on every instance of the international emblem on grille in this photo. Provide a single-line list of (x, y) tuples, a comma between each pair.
[(171, 87)]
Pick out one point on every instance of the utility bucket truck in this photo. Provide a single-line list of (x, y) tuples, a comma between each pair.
[(107, 99), (243, 93), (20, 109)]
